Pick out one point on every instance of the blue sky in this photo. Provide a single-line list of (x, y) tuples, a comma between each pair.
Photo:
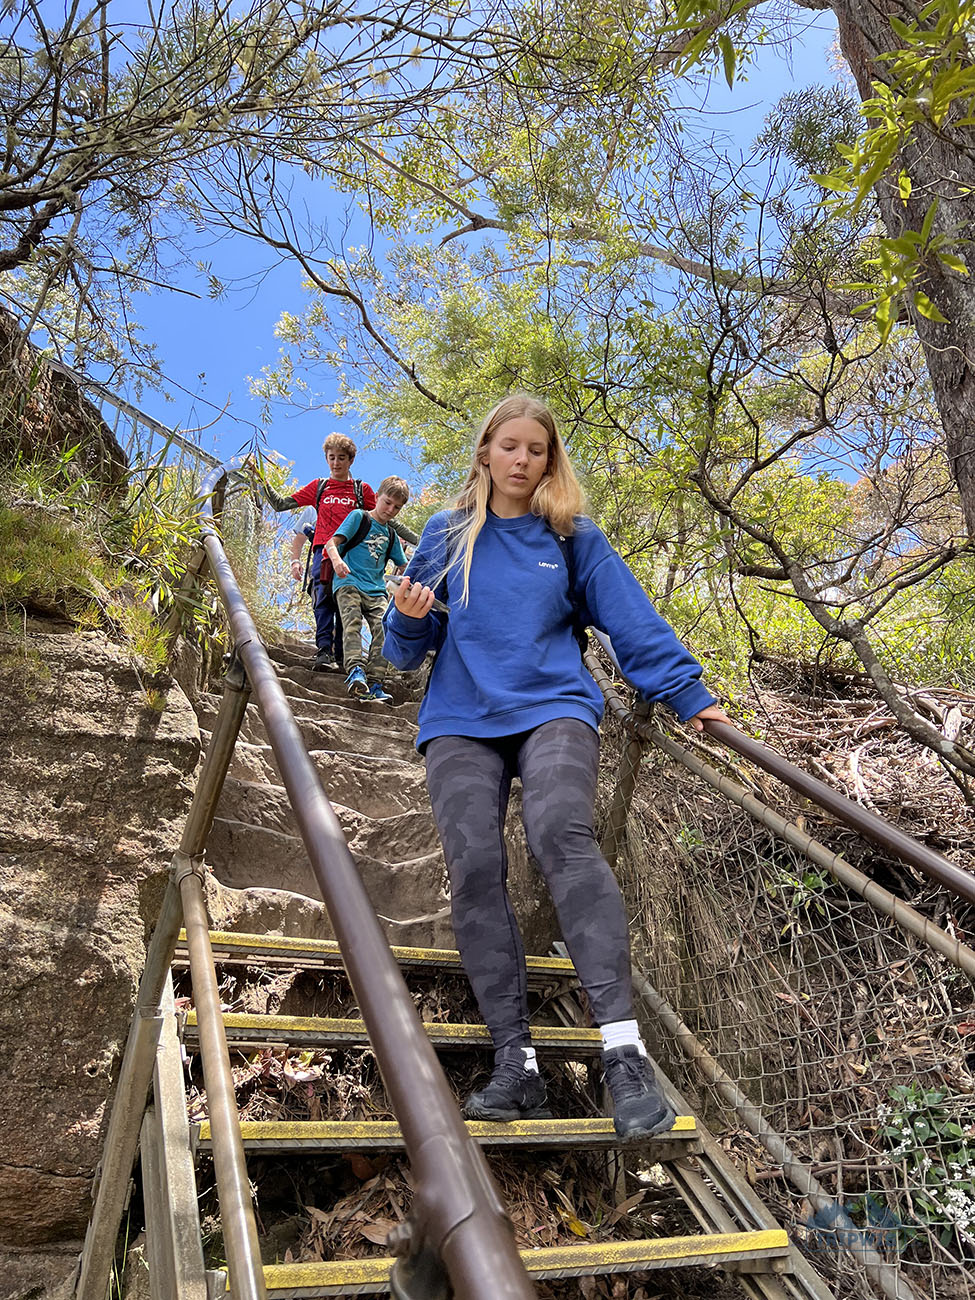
[(208, 348)]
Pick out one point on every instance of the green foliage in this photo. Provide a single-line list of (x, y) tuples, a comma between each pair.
[(800, 894), (932, 83), (922, 1135), (769, 464), (48, 558), (113, 566), (810, 125), (642, 407), (922, 104)]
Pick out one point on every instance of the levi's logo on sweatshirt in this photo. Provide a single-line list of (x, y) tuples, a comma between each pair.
[(544, 564)]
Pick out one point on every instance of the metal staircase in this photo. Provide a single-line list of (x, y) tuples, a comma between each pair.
[(737, 1234)]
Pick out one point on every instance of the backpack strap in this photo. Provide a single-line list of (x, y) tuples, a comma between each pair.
[(569, 556), (360, 534), (356, 488)]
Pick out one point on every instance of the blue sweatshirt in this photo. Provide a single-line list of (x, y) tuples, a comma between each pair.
[(508, 660)]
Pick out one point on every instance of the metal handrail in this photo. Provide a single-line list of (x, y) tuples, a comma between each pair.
[(458, 1218), (882, 900), (898, 843)]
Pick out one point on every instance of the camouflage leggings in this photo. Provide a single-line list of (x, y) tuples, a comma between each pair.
[(469, 782)]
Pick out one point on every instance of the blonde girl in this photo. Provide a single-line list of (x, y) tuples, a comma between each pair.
[(521, 569)]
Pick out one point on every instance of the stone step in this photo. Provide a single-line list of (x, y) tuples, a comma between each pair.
[(385, 1135), (245, 1029), (375, 786), (331, 683), (399, 836), (754, 1252), (319, 706), (242, 856), (370, 733), (273, 911), (292, 653), (326, 694)]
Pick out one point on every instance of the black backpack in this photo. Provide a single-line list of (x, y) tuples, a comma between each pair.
[(362, 532), (325, 562)]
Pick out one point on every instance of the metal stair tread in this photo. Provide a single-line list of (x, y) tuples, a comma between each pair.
[(245, 1027), (362, 1277), (385, 1135), (328, 953)]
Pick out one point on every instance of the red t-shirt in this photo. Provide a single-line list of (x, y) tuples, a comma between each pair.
[(338, 500)]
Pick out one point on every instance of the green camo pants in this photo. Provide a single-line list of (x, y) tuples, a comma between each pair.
[(354, 606)]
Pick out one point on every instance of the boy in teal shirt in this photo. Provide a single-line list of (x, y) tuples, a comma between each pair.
[(360, 551)]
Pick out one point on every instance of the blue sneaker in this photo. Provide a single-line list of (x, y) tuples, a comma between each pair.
[(376, 692), (356, 683)]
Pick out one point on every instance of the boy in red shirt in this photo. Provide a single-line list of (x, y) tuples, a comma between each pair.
[(334, 498)]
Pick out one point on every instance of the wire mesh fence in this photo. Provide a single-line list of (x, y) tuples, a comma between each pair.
[(853, 1038)]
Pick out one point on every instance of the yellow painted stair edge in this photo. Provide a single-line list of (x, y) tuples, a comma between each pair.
[(286, 944), (388, 1130), (548, 1259), (461, 1033)]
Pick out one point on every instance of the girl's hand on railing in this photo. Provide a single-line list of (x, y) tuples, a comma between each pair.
[(713, 713), (412, 600)]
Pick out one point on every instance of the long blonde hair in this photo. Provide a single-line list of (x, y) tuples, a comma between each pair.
[(558, 497)]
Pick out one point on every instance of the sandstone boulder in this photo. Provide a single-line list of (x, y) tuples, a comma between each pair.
[(43, 411)]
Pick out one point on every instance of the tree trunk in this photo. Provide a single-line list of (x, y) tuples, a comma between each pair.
[(938, 167)]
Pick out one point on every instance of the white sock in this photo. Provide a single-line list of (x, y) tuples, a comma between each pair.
[(622, 1033), (531, 1063)]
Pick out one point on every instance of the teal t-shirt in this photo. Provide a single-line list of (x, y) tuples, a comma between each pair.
[(367, 561)]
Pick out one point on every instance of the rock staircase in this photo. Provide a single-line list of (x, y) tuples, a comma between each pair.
[(290, 1014)]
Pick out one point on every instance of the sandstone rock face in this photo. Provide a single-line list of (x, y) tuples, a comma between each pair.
[(95, 788), (49, 412)]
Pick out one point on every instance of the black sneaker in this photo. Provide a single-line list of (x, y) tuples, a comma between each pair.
[(640, 1108), (323, 662), (512, 1092)]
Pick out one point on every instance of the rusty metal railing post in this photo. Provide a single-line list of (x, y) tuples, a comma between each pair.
[(110, 1190), (619, 810), (229, 1162)]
